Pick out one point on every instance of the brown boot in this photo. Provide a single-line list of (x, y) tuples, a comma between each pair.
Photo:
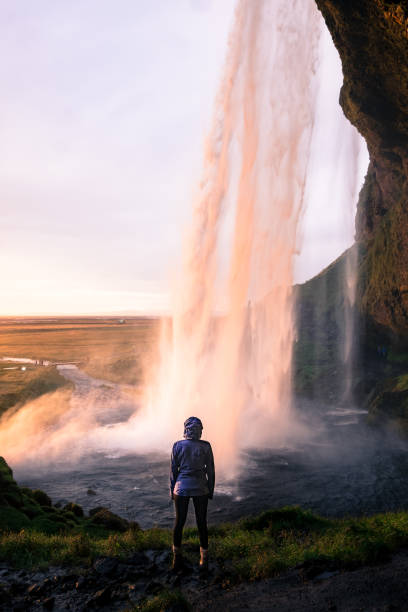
[(203, 558), (177, 559)]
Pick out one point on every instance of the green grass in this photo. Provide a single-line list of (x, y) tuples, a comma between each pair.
[(29, 548), (247, 550), (164, 601)]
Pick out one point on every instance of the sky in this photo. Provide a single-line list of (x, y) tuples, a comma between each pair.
[(103, 110)]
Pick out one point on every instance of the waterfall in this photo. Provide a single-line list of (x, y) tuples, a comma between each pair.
[(225, 356)]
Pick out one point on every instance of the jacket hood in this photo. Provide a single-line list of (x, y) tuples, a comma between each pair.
[(193, 428)]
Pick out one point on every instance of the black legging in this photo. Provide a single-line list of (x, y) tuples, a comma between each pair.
[(200, 506)]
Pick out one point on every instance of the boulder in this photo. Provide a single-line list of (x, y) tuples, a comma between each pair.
[(107, 519)]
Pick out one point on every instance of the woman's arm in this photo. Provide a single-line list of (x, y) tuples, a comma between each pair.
[(210, 472), (174, 468)]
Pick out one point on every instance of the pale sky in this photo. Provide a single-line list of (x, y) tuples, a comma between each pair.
[(103, 110)]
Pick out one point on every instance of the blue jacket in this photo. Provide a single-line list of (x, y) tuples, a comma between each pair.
[(192, 468)]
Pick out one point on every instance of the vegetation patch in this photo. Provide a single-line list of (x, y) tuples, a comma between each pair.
[(166, 600), (250, 549)]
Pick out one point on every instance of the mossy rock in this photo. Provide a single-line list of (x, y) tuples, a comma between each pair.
[(12, 519), (76, 509), (41, 498), (108, 520), (283, 518)]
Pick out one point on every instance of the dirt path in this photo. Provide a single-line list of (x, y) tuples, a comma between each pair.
[(383, 588)]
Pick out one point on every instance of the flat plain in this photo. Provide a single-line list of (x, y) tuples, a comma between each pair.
[(111, 348)]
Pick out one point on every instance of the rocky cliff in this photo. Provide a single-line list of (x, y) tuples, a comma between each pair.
[(371, 37)]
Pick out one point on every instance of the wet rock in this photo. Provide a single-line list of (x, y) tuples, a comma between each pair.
[(22, 574), (315, 570), (4, 596), (178, 607), (325, 575), (135, 593), (120, 593), (100, 598), (91, 492), (125, 572), (150, 555), (153, 587), (68, 582), (162, 558), (86, 582), (48, 603), (21, 606), (106, 566), (173, 580), (137, 558), (38, 589), (17, 588)]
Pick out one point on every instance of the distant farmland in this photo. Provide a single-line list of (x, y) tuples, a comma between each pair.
[(110, 348)]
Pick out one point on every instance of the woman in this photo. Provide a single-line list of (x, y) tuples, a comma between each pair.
[(191, 475)]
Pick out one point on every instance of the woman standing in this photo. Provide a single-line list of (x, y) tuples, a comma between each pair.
[(191, 475)]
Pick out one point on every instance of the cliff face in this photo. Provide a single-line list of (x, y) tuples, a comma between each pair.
[(371, 37)]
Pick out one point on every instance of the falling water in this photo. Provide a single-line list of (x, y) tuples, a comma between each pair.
[(226, 354), (349, 279)]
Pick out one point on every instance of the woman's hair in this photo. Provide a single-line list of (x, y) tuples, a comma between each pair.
[(193, 428)]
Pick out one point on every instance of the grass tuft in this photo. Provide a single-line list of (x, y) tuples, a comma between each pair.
[(166, 600)]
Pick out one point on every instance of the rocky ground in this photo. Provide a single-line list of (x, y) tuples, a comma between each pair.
[(380, 588), (109, 584), (112, 584)]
